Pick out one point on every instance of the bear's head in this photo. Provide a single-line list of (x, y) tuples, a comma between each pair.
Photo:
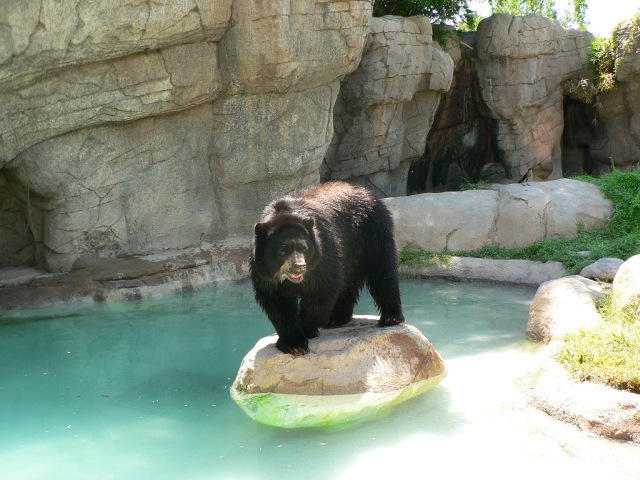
[(285, 248)]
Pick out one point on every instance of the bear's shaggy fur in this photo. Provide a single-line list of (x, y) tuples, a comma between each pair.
[(312, 253)]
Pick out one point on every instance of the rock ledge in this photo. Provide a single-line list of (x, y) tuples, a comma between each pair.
[(350, 374)]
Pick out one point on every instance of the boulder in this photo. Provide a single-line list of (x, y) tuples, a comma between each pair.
[(561, 306), (385, 108), (512, 215), (589, 406), (350, 374), (521, 66), (626, 286), (604, 269)]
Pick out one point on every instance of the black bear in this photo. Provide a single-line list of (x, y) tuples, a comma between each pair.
[(313, 251)]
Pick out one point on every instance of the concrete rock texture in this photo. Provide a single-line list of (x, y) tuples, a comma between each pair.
[(512, 215), (563, 306), (134, 128), (522, 63), (350, 373), (130, 128), (616, 136), (385, 108)]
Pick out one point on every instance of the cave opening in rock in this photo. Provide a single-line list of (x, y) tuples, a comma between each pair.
[(580, 128), (19, 222)]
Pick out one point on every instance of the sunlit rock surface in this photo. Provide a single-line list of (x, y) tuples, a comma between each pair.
[(626, 285), (566, 305), (563, 305), (350, 374), (385, 108), (521, 66), (513, 215), (604, 269)]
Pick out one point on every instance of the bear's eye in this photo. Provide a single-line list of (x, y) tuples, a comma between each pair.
[(282, 251)]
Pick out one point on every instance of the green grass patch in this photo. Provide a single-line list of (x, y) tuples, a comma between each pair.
[(418, 259), (620, 238), (608, 353)]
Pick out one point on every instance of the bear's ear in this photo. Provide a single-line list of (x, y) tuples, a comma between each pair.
[(308, 223)]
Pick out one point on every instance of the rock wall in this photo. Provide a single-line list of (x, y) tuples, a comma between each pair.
[(461, 141), (509, 109), (385, 109), (128, 128), (522, 64), (135, 128), (617, 137)]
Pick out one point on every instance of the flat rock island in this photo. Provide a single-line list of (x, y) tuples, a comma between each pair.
[(350, 374)]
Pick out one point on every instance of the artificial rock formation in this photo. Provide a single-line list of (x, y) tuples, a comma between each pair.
[(130, 128), (513, 215), (603, 269), (567, 305), (521, 66), (615, 136), (350, 373), (563, 305), (626, 286), (385, 108)]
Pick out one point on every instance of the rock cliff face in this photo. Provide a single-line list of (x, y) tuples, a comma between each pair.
[(508, 109), (386, 107), (129, 128), (616, 138), (522, 63), (136, 128)]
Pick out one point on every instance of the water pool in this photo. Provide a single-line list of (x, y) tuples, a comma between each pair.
[(140, 390)]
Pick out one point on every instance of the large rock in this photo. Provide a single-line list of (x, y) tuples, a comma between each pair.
[(510, 216), (603, 269), (563, 305), (521, 66), (559, 307), (616, 139), (350, 374), (589, 406), (626, 286), (385, 108), (131, 128)]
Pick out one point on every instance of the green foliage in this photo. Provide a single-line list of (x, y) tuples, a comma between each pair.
[(608, 353), (439, 12), (470, 24), (574, 18), (415, 258), (620, 238), (604, 57)]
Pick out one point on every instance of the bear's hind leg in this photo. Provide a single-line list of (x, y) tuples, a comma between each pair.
[(382, 281)]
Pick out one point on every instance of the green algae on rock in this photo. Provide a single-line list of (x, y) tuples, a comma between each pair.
[(350, 374)]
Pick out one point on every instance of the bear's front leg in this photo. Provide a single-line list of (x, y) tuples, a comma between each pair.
[(314, 315), (283, 314)]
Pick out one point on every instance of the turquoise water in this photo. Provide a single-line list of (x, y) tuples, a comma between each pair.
[(140, 390)]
